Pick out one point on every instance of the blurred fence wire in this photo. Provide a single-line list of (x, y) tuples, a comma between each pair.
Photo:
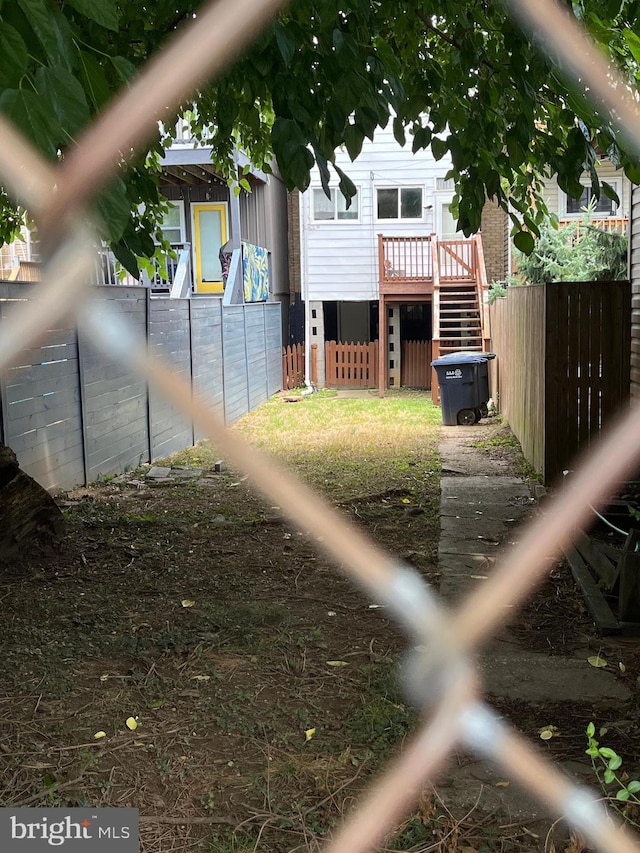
[(439, 674)]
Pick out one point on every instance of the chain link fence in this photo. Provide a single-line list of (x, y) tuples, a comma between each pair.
[(439, 674)]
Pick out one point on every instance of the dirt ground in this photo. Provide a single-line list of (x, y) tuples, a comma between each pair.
[(188, 653)]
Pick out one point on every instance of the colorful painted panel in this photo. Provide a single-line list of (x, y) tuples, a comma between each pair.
[(255, 271)]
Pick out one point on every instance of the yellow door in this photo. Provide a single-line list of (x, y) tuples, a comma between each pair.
[(209, 234)]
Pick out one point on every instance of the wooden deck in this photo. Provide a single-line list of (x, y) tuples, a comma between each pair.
[(450, 274)]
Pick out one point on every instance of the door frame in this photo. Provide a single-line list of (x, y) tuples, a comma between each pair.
[(223, 207)]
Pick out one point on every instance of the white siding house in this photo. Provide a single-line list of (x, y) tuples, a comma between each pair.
[(339, 246), (404, 197), (569, 208)]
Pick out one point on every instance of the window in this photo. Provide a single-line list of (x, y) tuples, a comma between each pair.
[(400, 203), (604, 206), (334, 208), (173, 224), (445, 184)]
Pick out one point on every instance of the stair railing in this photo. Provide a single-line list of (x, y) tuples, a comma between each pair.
[(482, 286)]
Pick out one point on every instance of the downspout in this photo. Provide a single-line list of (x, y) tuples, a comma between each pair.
[(304, 292)]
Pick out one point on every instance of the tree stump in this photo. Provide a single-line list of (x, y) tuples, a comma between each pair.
[(29, 516)]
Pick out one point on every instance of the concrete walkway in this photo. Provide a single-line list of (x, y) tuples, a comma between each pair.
[(481, 514), (482, 511)]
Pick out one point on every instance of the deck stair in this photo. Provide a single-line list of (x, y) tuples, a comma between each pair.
[(460, 317)]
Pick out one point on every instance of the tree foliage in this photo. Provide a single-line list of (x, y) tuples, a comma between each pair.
[(458, 78), (576, 252)]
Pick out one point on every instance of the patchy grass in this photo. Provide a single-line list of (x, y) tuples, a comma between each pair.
[(196, 610), (344, 447), (506, 442)]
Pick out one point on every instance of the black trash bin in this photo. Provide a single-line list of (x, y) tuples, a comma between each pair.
[(483, 375), (464, 386)]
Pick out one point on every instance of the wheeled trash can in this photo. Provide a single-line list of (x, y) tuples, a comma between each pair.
[(464, 386)]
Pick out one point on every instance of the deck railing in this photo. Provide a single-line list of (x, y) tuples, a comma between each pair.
[(608, 223), (458, 260), (404, 259), (411, 259)]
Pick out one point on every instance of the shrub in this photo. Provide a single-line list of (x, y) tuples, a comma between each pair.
[(573, 253)]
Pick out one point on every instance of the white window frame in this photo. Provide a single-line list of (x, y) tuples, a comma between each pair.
[(399, 188), (335, 192), (616, 183), (183, 224)]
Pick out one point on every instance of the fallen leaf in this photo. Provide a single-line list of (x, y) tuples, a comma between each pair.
[(597, 661), (99, 735), (502, 784), (104, 677), (200, 677), (547, 732), (337, 663), (622, 667), (131, 723), (331, 613), (406, 501), (138, 743), (309, 733), (187, 602)]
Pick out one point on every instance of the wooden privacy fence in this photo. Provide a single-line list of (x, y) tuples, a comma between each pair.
[(563, 365), (293, 366), (71, 413), (415, 364), (351, 365)]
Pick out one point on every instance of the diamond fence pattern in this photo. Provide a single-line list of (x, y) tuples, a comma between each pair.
[(439, 674)]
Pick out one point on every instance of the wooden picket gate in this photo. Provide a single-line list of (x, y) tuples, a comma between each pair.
[(351, 365), (415, 365), (293, 366)]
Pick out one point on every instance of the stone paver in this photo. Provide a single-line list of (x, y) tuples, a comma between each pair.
[(481, 505), (158, 473), (481, 515)]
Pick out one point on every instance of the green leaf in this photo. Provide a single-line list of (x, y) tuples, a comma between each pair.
[(524, 242), (632, 171), (398, 131), (353, 139), (421, 138), (126, 258), (94, 79), (633, 43), (13, 51), (124, 69), (609, 191), (591, 730), (33, 117), (52, 29), (439, 148), (623, 795), (609, 776), (65, 94), (286, 45), (346, 185), (615, 763), (104, 12), (607, 752), (633, 787), (115, 209)]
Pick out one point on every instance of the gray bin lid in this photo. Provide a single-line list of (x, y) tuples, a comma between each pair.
[(486, 355), (460, 358)]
